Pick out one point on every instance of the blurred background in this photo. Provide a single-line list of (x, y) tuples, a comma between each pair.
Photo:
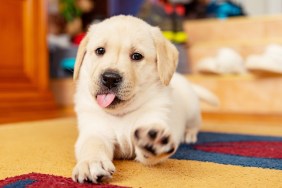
[(232, 47)]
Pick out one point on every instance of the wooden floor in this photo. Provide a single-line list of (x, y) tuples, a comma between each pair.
[(40, 115), (219, 118), (243, 118)]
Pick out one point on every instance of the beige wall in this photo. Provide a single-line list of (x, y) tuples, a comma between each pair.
[(261, 7)]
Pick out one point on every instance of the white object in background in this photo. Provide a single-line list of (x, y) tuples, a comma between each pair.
[(261, 7), (227, 61), (62, 41), (269, 61)]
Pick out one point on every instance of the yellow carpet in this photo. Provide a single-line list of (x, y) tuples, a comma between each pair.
[(47, 147)]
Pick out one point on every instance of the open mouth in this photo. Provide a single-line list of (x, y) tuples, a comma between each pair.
[(107, 100)]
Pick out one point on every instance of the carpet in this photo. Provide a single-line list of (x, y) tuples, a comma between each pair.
[(35, 180), (247, 155)]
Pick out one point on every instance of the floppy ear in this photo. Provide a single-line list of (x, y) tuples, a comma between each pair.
[(167, 56), (80, 56)]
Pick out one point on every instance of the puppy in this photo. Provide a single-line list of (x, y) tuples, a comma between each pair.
[(129, 102)]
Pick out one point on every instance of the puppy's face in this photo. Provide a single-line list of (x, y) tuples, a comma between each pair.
[(121, 56)]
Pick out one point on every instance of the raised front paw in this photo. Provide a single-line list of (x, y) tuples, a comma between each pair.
[(93, 171), (153, 143)]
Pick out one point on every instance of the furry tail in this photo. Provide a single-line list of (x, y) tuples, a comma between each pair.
[(205, 95)]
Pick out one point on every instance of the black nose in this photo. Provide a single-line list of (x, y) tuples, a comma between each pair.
[(111, 79)]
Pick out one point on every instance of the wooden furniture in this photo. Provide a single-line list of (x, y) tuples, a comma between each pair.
[(243, 94), (24, 75), (247, 35)]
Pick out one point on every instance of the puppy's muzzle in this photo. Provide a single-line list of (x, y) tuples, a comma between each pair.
[(111, 79)]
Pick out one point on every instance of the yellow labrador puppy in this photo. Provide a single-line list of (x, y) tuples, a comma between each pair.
[(129, 102)]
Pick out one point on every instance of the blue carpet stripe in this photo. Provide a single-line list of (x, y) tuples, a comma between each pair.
[(20, 184), (205, 137)]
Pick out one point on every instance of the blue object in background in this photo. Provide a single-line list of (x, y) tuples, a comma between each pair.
[(61, 61), (224, 9), (68, 63), (127, 7)]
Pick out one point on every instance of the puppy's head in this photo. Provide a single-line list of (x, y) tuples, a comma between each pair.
[(121, 57)]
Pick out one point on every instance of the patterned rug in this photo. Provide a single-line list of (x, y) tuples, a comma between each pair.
[(40, 154), (235, 149), (35, 180)]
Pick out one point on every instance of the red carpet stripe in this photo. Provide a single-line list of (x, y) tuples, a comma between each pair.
[(262, 149), (35, 180)]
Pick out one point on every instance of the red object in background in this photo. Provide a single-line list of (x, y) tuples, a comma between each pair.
[(170, 8), (78, 38), (180, 10)]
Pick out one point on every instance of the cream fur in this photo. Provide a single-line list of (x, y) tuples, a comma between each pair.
[(104, 134)]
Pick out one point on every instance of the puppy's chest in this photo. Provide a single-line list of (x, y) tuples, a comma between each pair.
[(124, 148), (123, 143), (122, 128)]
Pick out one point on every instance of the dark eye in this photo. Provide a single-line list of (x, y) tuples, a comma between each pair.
[(100, 51), (136, 56)]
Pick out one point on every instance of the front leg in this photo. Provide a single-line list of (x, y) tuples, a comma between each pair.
[(94, 159), (154, 142)]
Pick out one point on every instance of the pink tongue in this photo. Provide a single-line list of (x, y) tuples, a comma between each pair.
[(105, 99)]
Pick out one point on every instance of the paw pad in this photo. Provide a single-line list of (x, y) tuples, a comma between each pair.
[(154, 141), (152, 134)]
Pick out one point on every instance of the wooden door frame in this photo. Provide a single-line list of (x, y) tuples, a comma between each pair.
[(35, 65)]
